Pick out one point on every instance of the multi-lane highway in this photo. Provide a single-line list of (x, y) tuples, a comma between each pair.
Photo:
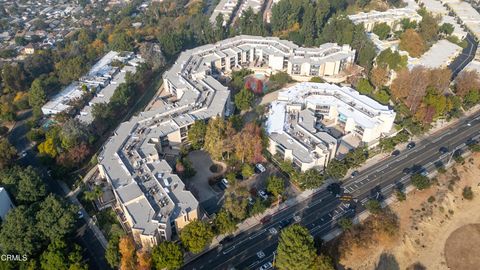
[(321, 211)]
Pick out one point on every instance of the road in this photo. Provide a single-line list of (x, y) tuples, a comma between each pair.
[(320, 212), (465, 57), (85, 236)]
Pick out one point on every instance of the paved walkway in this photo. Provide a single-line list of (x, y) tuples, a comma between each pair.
[(72, 196)]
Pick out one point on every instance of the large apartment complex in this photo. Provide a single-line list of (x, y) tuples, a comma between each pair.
[(392, 17), (268, 54), (309, 120), (151, 197)]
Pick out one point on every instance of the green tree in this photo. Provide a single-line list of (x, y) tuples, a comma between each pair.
[(37, 96), (467, 193), (382, 30), (167, 255), (244, 99), (323, 262), (295, 249), (392, 60), (172, 43), (112, 254), (196, 134), (8, 153), (18, 234), (196, 235), (224, 223), (345, 223), (400, 195), (373, 206), (55, 218), (258, 207), (247, 171), (214, 137), (337, 169), (364, 87), (420, 182), (446, 28), (275, 185), (24, 184), (310, 179), (236, 203), (429, 26), (59, 256)]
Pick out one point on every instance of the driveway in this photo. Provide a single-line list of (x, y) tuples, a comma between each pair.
[(209, 199), (465, 57)]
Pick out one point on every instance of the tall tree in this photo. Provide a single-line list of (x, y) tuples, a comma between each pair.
[(196, 134), (467, 81), (18, 234), (7, 153), (55, 218), (296, 249), (214, 137), (224, 222), (167, 255), (37, 96), (244, 99), (248, 144), (196, 236), (275, 185), (126, 247), (413, 43), (236, 203)]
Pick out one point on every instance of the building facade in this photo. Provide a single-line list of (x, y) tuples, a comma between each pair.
[(309, 120), (392, 17)]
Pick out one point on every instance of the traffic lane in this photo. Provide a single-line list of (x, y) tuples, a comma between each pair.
[(315, 221), (244, 236), (404, 154), (419, 155), (257, 240)]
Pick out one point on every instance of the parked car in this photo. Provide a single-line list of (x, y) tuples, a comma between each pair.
[(263, 194), (225, 182), (355, 173), (396, 153), (260, 168), (411, 145), (80, 214)]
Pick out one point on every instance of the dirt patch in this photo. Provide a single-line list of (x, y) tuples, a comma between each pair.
[(425, 226), (461, 246)]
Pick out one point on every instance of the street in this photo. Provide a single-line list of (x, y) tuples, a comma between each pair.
[(320, 212), (465, 57)]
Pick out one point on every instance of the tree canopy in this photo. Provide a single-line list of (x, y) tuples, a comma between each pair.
[(196, 235), (295, 249), (167, 255)]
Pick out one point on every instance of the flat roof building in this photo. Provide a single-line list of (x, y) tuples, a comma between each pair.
[(467, 14), (440, 55), (391, 17), (304, 122), (153, 199)]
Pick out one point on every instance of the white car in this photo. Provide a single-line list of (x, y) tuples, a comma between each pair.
[(263, 194), (225, 182), (266, 266), (260, 254), (260, 167)]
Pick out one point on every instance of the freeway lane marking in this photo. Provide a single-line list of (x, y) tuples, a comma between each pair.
[(257, 234)]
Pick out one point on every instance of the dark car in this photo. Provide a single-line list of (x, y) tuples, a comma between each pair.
[(406, 170), (457, 153), (355, 173), (284, 223), (443, 150), (334, 188), (266, 219), (411, 145), (226, 239), (396, 153)]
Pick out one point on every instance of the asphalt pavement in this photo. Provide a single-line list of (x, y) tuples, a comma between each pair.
[(465, 56), (321, 211)]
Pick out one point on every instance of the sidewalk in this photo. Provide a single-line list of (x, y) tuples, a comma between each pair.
[(72, 196)]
